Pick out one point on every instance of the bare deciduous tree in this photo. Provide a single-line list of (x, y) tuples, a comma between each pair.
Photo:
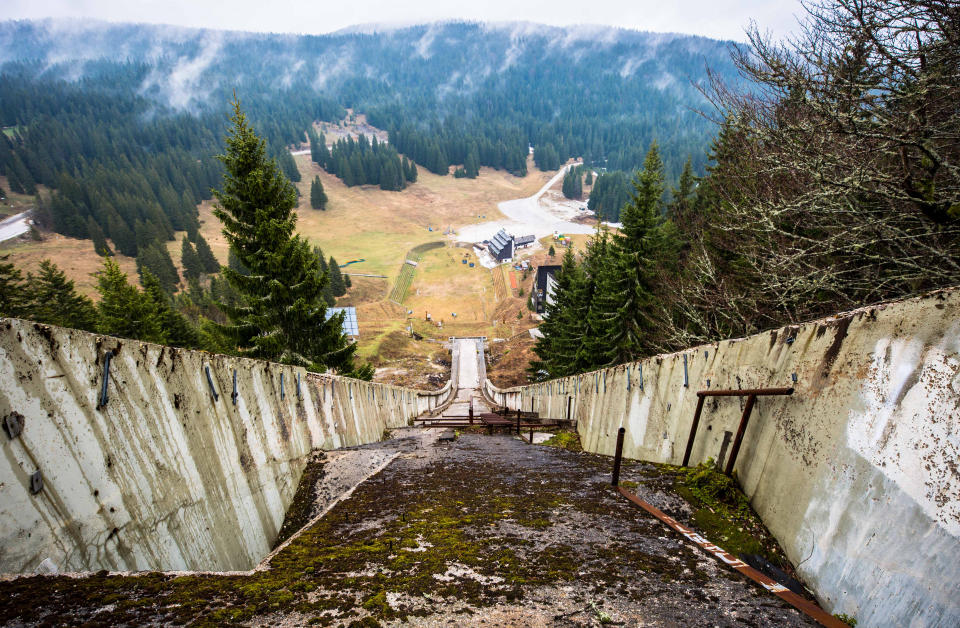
[(837, 176)]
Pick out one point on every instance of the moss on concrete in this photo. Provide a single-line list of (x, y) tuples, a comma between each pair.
[(486, 522), (565, 439)]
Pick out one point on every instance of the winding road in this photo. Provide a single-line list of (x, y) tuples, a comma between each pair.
[(15, 225), (525, 216)]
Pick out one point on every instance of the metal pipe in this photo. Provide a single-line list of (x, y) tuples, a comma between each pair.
[(693, 430), (747, 409), (686, 379), (216, 397), (617, 457), (106, 377), (234, 394), (759, 392), (281, 386)]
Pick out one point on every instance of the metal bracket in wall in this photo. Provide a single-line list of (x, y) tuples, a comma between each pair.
[(13, 424), (751, 395), (298, 386), (234, 394), (282, 394), (686, 378), (106, 379), (213, 390), (36, 482)]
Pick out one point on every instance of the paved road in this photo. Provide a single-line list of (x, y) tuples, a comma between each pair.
[(525, 216), (15, 226)]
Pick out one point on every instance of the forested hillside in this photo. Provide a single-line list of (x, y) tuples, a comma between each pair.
[(835, 183)]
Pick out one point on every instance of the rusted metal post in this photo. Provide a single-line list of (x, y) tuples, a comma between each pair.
[(518, 421), (531, 435), (617, 457), (471, 410), (747, 409), (693, 429)]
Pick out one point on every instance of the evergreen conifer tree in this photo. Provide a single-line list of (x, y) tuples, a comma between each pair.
[(283, 316), (602, 273), (337, 286), (156, 258), (208, 260), (57, 302), (328, 297), (14, 297), (99, 239), (630, 299), (176, 329), (192, 267), (124, 310), (681, 196), (564, 324), (472, 163), (318, 198)]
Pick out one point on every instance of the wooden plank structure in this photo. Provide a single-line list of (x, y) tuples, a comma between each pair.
[(502, 418)]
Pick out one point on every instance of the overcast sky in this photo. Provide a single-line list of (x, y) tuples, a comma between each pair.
[(722, 19)]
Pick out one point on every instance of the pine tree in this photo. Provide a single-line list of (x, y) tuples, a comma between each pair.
[(192, 267), (124, 310), (208, 260), (155, 258), (681, 196), (589, 178), (471, 165), (14, 296), (284, 316), (318, 198), (99, 239), (57, 302), (602, 273), (337, 285), (630, 299), (564, 324), (176, 329), (328, 297)]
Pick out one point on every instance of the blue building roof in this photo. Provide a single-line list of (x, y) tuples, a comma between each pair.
[(350, 326)]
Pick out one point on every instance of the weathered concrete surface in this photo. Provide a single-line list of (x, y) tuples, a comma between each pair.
[(164, 476), (486, 530), (856, 474)]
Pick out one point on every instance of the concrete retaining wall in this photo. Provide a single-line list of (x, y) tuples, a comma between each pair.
[(164, 476), (857, 474)]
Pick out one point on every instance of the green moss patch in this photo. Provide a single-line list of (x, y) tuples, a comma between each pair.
[(565, 439), (723, 514)]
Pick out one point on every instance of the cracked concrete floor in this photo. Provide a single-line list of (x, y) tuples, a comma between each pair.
[(486, 530)]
